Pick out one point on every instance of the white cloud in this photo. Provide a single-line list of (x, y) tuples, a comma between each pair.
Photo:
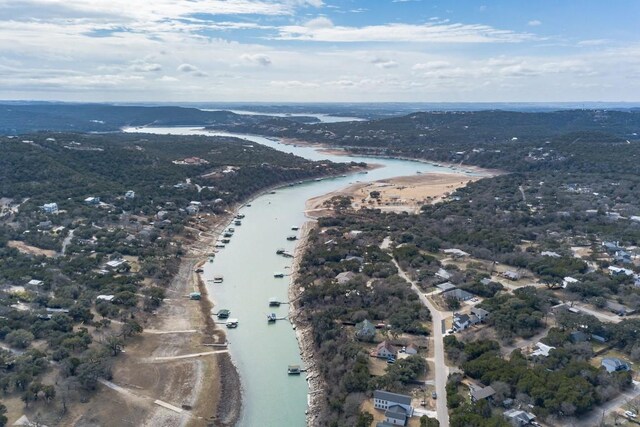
[(257, 58), (191, 69), (145, 67), (432, 65), (429, 32), (534, 23), (384, 63)]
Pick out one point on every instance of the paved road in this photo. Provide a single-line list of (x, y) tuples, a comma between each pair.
[(442, 370), (600, 314)]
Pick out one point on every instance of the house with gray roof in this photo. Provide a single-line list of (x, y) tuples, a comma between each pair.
[(519, 418), (345, 277), (385, 400), (613, 364), (459, 294), (365, 330), (446, 286), (479, 393), (396, 415)]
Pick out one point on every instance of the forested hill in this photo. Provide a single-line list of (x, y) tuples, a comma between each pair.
[(23, 118)]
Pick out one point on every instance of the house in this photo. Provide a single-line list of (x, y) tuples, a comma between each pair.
[(578, 336), (345, 277), (385, 350), (613, 364), (35, 282), (456, 253), (107, 298), (511, 275), (479, 393), (459, 294), (485, 281), (550, 254), (480, 313), (463, 321), (542, 350), (569, 281), (622, 257), (519, 418), (358, 259), (116, 264), (192, 210), (396, 415), (45, 225), (130, 194), (611, 247), (443, 274), (365, 330), (92, 200), (446, 286), (617, 308), (599, 338), (617, 271), (385, 400), (51, 208), (411, 349)]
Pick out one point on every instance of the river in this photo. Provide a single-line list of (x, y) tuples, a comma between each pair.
[(262, 351)]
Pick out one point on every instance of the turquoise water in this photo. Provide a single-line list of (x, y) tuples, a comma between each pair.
[(262, 351)]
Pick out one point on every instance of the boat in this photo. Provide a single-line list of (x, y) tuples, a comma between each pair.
[(232, 323), (199, 270), (210, 259), (228, 234), (223, 314), (231, 229), (272, 192), (280, 251), (218, 279), (294, 370), (238, 222), (225, 240), (273, 302), (292, 237), (195, 296), (219, 245), (271, 317), (278, 275), (240, 216), (295, 228)]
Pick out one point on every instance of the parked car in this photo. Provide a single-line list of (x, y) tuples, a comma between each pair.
[(630, 414), (434, 395)]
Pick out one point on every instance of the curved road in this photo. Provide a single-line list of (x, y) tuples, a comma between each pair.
[(441, 368)]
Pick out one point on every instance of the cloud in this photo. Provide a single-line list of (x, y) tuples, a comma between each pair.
[(534, 23), (145, 67), (323, 30), (191, 69), (431, 65), (593, 42), (257, 58), (384, 63)]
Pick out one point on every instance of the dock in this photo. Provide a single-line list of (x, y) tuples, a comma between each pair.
[(273, 302), (295, 370)]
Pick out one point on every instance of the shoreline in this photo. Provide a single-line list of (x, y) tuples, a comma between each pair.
[(303, 329)]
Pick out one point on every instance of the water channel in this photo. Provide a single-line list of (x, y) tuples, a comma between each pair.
[(262, 351)]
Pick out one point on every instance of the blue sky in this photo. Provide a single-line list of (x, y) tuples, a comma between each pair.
[(320, 50)]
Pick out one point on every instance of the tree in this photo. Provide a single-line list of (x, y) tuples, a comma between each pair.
[(20, 338), (3, 417), (130, 328), (114, 344), (364, 419)]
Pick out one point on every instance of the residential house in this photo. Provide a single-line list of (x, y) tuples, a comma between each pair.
[(455, 253), (345, 277), (107, 298), (480, 313), (459, 294), (551, 254), (411, 349), (622, 257), (542, 350), (35, 282), (619, 309), (611, 247), (613, 364), (92, 200), (463, 321), (192, 210), (480, 393), (446, 286), (45, 226), (385, 350), (116, 265), (443, 274), (365, 330), (568, 281), (519, 418), (51, 208), (617, 271), (130, 194), (511, 275), (396, 406), (578, 336)]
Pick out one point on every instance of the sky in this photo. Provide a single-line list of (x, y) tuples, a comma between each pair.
[(320, 50)]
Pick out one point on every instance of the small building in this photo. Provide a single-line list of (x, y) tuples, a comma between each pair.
[(116, 264), (443, 274), (480, 393), (568, 281), (411, 349), (385, 350), (611, 247), (107, 298), (463, 321), (551, 254), (92, 200), (345, 277), (365, 330), (130, 194), (613, 364), (518, 418), (35, 282), (619, 309), (396, 415), (45, 225), (622, 257), (192, 210), (50, 208)]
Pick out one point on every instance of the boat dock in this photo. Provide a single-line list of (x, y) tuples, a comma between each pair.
[(295, 370)]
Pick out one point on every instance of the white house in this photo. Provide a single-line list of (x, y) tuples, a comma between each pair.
[(617, 271), (397, 407), (107, 298), (51, 208), (568, 280), (542, 350), (384, 350), (130, 194)]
